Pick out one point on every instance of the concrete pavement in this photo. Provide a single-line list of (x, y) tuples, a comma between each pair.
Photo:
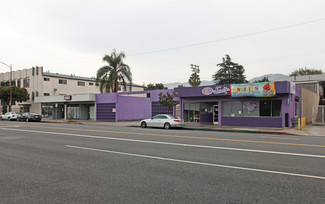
[(310, 130)]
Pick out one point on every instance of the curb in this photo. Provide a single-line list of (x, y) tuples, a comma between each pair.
[(230, 130), (239, 131)]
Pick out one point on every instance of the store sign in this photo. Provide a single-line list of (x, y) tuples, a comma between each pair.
[(67, 97), (262, 89), (218, 90)]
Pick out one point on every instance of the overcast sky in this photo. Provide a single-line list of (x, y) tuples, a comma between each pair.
[(161, 38)]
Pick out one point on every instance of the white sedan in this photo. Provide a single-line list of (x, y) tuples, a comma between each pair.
[(10, 116), (163, 121)]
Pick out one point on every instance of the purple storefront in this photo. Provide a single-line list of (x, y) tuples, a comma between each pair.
[(222, 105), (127, 106)]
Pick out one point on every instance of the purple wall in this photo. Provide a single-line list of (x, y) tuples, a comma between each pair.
[(252, 121), (130, 107), (133, 108), (106, 98)]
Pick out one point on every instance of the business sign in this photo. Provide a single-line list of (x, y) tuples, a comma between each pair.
[(218, 90), (68, 97), (262, 89)]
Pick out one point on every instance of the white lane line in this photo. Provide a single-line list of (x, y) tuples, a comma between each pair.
[(170, 143), (280, 138), (198, 163)]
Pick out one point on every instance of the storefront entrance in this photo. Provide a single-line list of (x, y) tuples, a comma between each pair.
[(201, 112), (216, 114)]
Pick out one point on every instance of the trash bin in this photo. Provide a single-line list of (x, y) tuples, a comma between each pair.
[(294, 122)]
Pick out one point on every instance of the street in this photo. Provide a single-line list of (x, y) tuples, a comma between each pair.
[(71, 163)]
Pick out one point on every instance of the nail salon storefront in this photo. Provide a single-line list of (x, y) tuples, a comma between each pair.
[(266, 104)]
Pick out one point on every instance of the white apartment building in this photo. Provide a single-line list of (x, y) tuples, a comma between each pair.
[(50, 93)]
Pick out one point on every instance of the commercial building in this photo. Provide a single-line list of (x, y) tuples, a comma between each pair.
[(266, 104), (51, 93)]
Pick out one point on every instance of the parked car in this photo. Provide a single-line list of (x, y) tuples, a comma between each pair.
[(163, 121), (10, 116), (28, 116)]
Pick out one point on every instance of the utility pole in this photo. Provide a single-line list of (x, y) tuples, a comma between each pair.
[(195, 70)]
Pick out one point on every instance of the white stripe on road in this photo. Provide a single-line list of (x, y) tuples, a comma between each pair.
[(197, 163), (169, 143)]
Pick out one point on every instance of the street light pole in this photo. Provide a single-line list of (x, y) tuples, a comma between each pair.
[(10, 79)]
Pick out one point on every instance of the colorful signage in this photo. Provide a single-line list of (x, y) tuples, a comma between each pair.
[(67, 97), (218, 90), (262, 89)]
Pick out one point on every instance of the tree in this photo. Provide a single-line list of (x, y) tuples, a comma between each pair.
[(265, 79), (180, 86), (109, 76), (167, 100), (155, 87), (18, 94), (194, 80), (229, 72), (306, 71)]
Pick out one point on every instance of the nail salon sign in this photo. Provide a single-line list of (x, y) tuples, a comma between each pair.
[(218, 90)]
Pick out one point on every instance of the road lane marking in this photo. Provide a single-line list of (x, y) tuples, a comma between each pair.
[(197, 163), (185, 137), (170, 143)]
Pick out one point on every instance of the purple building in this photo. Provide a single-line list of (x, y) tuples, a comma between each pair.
[(124, 106), (266, 104)]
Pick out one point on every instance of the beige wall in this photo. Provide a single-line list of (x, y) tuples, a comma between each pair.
[(309, 99), (38, 85)]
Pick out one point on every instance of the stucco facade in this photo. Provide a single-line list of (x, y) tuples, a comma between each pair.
[(44, 84)]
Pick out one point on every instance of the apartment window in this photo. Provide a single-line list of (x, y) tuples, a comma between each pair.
[(46, 94), (18, 83), (91, 84), (26, 83), (46, 79), (81, 83), (63, 81)]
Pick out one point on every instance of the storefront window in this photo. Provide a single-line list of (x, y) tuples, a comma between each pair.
[(270, 108), (264, 108), (191, 112), (276, 108), (251, 109), (47, 111), (232, 108)]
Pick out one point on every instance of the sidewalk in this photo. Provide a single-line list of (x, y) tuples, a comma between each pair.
[(310, 130)]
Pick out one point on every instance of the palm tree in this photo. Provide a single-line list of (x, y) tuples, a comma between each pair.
[(109, 76)]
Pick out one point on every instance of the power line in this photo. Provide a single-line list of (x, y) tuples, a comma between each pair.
[(230, 38)]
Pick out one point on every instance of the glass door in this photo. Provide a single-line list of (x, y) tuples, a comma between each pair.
[(216, 114)]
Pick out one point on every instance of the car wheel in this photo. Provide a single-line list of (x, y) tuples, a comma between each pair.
[(167, 126), (8, 119), (143, 124), (1, 118)]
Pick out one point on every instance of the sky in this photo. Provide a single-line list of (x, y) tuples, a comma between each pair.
[(161, 38)]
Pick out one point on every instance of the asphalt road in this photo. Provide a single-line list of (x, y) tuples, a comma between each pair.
[(59, 163)]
